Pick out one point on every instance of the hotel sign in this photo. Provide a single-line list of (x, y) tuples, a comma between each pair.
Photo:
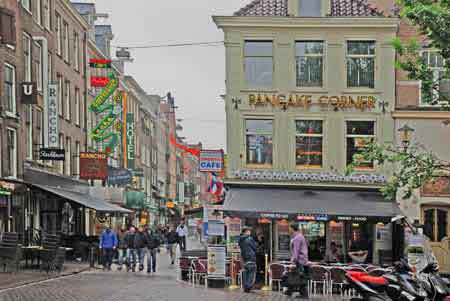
[(361, 102)]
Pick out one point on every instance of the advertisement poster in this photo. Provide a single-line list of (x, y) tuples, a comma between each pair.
[(216, 261), (233, 233), (216, 228), (93, 166)]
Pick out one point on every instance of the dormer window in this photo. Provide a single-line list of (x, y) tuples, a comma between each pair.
[(309, 8)]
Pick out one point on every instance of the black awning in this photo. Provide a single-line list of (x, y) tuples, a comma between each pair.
[(296, 202)]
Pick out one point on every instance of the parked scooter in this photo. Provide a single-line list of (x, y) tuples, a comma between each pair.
[(435, 286), (369, 288)]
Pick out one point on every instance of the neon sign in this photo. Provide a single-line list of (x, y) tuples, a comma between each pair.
[(100, 63), (99, 81), (107, 129)]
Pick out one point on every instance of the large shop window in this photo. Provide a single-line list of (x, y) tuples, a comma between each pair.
[(259, 141), (436, 63), (361, 64), (308, 140), (309, 8), (258, 63), (359, 134), (309, 61)]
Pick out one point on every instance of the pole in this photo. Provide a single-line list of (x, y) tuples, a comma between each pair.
[(266, 286), (233, 285)]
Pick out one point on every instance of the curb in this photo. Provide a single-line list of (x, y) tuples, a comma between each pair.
[(33, 282)]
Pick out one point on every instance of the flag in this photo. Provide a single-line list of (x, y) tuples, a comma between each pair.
[(216, 186)]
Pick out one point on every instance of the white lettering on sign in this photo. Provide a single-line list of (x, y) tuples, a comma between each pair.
[(52, 112)]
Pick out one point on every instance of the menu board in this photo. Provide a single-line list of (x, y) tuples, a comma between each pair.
[(284, 239), (216, 261)]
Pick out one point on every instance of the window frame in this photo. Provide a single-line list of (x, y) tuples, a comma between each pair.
[(27, 6), (60, 81), (59, 38), (76, 171), (77, 107), (29, 131), (322, 55), (67, 104), (436, 71), (68, 159), (46, 15), (373, 56), (246, 134), (12, 173), (322, 136), (76, 51), (346, 136), (27, 56), (38, 13), (244, 56), (62, 164), (39, 69), (13, 102), (66, 42)]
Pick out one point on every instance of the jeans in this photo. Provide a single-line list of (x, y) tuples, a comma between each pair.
[(249, 274), (121, 257), (151, 260), (182, 243), (171, 248), (107, 257), (141, 255), (131, 256)]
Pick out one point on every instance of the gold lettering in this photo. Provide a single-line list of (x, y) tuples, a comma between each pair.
[(371, 102), (274, 100), (267, 99), (281, 99), (323, 100), (308, 101), (342, 102), (292, 101), (259, 99), (251, 99), (333, 100), (350, 102)]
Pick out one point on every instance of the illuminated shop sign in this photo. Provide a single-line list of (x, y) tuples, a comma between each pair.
[(352, 218), (315, 218), (362, 102), (100, 63), (274, 215), (99, 81)]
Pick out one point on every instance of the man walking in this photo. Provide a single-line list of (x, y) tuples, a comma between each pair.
[(299, 257), (153, 243), (248, 252), (108, 243), (140, 243), (121, 247), (131, 249), (182, 232), (172, 240)]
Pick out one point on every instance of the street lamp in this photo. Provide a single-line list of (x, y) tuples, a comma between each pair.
[(405, 136)]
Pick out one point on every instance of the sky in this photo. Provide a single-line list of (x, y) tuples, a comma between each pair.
[(194, 75)]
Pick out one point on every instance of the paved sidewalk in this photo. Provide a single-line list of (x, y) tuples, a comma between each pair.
[(27, 276)]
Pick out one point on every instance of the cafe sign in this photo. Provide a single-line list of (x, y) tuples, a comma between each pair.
[(361, 102)]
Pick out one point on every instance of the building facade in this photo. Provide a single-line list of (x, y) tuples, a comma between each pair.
[(309, 83)]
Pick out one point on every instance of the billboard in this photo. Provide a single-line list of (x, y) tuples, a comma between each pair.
[(211, 160), (93, 166)]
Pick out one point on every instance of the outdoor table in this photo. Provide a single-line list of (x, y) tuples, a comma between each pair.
[(31, 252)]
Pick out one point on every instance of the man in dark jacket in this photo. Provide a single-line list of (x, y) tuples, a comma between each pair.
[(248, 252), (131, 249), (153, 243), (121, 247), (172, 240), (140, 243)]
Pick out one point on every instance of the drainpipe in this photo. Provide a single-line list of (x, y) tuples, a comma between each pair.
[(85, 64), (45, 83)]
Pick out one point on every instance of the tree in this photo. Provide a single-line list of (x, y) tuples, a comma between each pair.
[(414, 166)]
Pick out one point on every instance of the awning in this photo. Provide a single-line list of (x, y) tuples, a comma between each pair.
[(83, 199), (289, 203)]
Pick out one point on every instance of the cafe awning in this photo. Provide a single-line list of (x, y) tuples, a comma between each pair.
[(83, 199), (280, 202)]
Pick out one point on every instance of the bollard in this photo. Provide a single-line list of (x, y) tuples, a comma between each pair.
[(91, 257), (266, 286), (233, 285)]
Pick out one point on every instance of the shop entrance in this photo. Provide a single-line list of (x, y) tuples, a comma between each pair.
[(436, 227)]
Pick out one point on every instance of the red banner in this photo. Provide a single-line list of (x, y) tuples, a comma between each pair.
[(93, 166), (183, 147), (99, 61)]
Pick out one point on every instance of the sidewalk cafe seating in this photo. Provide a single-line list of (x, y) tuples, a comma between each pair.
[(276, 272), (51, 255), (199, 270), (185, 266), (10, 251), (319, 277), (337, 279)]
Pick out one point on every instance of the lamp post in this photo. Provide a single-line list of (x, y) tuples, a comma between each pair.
[(405, 136)]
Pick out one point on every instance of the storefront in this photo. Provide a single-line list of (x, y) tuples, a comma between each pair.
[(353, 219), (14, 197)]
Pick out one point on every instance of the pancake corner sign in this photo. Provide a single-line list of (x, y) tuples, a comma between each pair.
[(211, 160)]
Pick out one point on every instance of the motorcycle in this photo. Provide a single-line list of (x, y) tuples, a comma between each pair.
[(435, 286)]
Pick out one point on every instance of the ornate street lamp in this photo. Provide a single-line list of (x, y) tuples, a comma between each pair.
[(405, 136)]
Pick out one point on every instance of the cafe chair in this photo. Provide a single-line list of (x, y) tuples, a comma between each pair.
[(199, 270), (319, 278), (276, 272), (337, 279), (184, 265)]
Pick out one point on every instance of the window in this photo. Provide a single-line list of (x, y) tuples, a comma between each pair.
[(11, 153), (436, 63), (309, 60), (66, 50), (77, 159), (26, 4), (38, 13), (61, 145), (68, 160), (67, 100), (46, 14), (359, 134), (309, 143), (77, 106), (435, 223), (50, 68), (258, 63), (9, 87), (259, 141), (58, 35), (38, 67), (29, 131), (361, 64), (309, 8), (60, 94), (76, 51), (26, 44), (40, 127), (8, 27)]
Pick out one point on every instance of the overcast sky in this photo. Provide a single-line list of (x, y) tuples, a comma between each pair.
[(194, 75)]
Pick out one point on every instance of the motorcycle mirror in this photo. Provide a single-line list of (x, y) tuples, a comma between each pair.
[(397, 218)]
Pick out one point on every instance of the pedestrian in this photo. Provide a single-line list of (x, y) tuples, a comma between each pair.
[(121, 247), (172, 240), (131, 249), (153, 244), (299, 257), (248, 253), (140, 243), (108, 243), (182, 232)]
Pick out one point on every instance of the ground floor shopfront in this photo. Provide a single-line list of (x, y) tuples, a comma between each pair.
[(357, 221)]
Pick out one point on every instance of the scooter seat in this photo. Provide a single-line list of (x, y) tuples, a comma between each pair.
[(366, 278)]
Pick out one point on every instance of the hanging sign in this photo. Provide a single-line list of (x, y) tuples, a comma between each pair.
[(211, 160), (99, 81), (29, 93), (216, 228), (109, 89), (130, 140), (52, 116), (93, 166), (52, 154), (119, 176), (100, 63)]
